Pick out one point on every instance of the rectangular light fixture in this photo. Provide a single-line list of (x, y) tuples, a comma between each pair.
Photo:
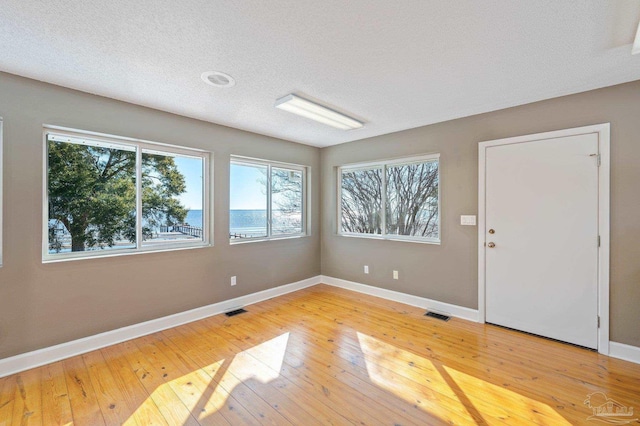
[(636, 44), (317, 112)]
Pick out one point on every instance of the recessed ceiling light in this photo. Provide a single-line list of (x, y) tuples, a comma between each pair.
[(317, 112), (218, 79)]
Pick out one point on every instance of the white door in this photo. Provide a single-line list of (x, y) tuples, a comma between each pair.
[(541, 233)]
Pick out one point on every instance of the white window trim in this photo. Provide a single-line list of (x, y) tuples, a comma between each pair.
[(139, 145), (383, 164), (305, 170)]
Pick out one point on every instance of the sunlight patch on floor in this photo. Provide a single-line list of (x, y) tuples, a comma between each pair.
[(207, 390), (446, 392), (478, 391), (391, 369), (261, 362)]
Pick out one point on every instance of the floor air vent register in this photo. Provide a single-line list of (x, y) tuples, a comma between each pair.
[(437, 316), (235, 312)]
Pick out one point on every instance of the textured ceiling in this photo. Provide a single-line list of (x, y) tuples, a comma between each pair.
[(393, 64)]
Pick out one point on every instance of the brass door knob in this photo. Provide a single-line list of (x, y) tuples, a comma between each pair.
[(492, 231), (491, 245)]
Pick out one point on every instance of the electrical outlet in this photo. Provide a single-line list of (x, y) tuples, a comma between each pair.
[(366, 269), (395, 275), (233, 280)]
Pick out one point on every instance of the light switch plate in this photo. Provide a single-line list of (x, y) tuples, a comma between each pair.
[(468, 220)]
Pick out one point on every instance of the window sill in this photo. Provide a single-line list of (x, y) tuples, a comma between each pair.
[(239, 241), (48, 258), (392, 238)]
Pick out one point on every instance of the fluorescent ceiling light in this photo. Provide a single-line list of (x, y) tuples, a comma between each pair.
[(319, 113), (636, 43)]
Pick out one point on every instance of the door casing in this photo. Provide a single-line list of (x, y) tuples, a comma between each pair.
[(603, 132)]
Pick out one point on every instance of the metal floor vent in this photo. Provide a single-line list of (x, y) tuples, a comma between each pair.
[(437, 316), (236, 312)]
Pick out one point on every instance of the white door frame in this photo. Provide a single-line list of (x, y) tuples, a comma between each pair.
[(603, 131)]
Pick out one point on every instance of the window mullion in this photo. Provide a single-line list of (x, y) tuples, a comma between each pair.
[(138, 197), (339, 201), (269, 195), (383, 201)]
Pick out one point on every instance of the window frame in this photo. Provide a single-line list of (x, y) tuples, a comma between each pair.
[(383, 165), (138, 145), (250, 161)]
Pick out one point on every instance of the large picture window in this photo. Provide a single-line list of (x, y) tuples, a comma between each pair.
[(266, 199), (108, 195), (393, 199)]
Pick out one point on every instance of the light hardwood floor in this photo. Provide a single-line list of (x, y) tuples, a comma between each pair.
[(324, 356)]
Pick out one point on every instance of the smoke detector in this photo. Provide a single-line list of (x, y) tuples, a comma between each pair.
[(218, 79)]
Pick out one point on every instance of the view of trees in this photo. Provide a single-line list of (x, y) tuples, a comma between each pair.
[(362, 201), (162, 183), (92, 194), (286, 192), (92, 197), (410, 199), (286, 200)]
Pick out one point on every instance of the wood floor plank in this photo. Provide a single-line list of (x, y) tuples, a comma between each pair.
[(110, 396), (84, 405), (137, 399), (7, 396), (27, 408), (170, 405), (56, 408), (190, 385), (323, 355)]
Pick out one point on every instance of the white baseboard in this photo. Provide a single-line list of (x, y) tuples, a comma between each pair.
[(625, 352), (396, 296), (26, 361), (51, 354)]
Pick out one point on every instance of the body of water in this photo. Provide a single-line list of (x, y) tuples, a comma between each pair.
[(238, 219), (250, 223), (242, 224), (194, 218), (253, 223)]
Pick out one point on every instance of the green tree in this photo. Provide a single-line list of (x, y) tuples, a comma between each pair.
[(92, 193), (162, 182)]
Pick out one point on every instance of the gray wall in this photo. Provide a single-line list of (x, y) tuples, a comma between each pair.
[(47, 304), (448, 272)]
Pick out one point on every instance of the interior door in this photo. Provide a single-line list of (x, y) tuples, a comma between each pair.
[(541, 224)]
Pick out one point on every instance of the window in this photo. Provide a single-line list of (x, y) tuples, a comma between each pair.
[(266, 200), (394, 199), (109, 195)]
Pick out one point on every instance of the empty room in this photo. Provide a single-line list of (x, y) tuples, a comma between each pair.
[(307, 213)]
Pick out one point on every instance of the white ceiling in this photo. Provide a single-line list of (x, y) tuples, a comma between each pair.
[(394, 64)]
